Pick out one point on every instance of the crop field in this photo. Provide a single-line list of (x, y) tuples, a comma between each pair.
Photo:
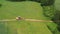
[(28, 9)]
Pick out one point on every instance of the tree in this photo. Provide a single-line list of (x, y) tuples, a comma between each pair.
[(56, 19), (48, 8), (47, 2)]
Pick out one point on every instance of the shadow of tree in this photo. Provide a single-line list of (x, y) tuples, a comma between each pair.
[(0, 5)]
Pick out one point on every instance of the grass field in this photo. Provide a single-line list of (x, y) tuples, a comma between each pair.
[(10, 10)]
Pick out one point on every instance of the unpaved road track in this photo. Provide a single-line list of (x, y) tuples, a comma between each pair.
[(32, 20), (8, 20), (35, 20)]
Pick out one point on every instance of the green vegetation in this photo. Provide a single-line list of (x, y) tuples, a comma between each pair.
[(27, 9)]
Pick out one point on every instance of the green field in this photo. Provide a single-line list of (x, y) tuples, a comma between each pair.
[(27, 9)]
